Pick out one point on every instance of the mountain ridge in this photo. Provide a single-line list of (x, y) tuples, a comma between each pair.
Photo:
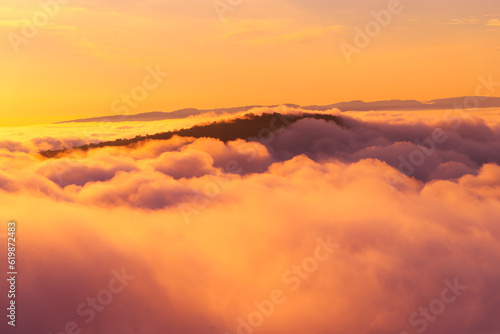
[(355, 105), (247, 127)]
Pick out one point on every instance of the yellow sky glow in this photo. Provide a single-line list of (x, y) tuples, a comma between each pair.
[(85, 56)]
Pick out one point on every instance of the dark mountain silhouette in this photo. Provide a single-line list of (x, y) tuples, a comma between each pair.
[(391, 105), (248, 127)]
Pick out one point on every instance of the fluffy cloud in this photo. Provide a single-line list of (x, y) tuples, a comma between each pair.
[(417, 149), (12, 146), (186, 164), (207, 245)]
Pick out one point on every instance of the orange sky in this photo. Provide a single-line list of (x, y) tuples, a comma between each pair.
[(86, 55)]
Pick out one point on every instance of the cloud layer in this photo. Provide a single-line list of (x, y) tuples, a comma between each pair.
[(210, 230)]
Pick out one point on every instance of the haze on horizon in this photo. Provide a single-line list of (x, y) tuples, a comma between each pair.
[(87, 55)]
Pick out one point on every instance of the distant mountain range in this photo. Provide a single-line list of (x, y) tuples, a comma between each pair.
[(391, 105)]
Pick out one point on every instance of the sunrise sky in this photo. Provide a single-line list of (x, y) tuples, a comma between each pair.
[(211, 213), (259, 53)]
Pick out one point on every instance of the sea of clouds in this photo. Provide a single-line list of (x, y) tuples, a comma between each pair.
[(387, 224)]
